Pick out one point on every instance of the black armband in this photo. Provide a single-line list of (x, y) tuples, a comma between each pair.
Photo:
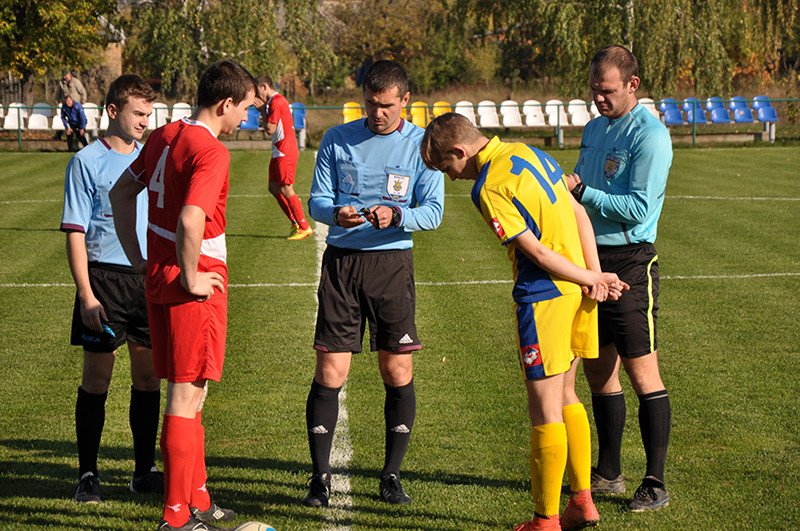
[(577, 192)]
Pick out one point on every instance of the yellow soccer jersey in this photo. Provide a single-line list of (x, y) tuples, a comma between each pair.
[(522, 188)]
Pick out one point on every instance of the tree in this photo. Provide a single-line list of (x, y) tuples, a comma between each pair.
[(306, 34), (175, 40), (39, 36), (702, 44)]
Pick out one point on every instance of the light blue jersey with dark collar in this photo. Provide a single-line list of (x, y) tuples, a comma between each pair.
[(356, 167), (624, 164)]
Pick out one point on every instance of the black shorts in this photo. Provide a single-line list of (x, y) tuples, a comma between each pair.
[(121, 292), (356, 287), (630, 322)]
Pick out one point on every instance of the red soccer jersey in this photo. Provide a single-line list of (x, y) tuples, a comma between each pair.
[(284, 143), (181, 164)]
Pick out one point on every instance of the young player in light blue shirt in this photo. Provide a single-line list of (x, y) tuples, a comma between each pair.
[(110, 306)]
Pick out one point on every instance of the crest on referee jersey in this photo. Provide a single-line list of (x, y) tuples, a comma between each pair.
[(397, 186), (612, 166)]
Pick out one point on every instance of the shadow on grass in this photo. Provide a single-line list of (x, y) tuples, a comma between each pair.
[(38, 474)]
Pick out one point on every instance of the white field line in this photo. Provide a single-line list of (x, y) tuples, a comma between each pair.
[(342, 450), (455, 283)]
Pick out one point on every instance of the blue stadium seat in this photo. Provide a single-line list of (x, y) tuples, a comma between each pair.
[(692, 103), (673, 116), (767, 114), (298, 115), (668, 103), (694, 111), (760, 102), (252, 122), (299, 120), (743, 115), (700, 119), (738, 102), (252, 119), (714, 102), (719, 115)]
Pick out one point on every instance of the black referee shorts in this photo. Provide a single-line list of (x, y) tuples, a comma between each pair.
[(359, 287), (121, 292), (630, 322)]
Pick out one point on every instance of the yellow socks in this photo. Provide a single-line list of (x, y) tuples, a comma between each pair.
[(548, 459), (579, 443)]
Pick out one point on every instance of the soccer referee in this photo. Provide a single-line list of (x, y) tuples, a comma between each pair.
[(620, 178)]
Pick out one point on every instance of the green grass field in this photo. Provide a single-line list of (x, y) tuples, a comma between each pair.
[(730, 266)]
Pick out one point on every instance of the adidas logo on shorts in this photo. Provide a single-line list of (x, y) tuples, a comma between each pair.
[(405, 340)]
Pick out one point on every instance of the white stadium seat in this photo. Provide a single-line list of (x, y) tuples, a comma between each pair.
[(509, 110), (465, 108)]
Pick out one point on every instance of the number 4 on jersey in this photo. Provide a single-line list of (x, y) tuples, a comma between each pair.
[(157, 181)]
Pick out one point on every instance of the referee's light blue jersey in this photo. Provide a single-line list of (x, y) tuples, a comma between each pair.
[(624, 164)]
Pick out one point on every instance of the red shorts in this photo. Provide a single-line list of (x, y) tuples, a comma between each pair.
[(282, 170), (189, 339)]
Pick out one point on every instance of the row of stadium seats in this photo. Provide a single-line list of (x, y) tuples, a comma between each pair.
[(489, 114), (43, 116), (552, 113), (737, 111)]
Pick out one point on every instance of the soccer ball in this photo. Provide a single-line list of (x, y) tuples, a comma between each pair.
[(254, 526)]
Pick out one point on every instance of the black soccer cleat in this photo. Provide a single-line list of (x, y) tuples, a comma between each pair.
[(149, 483), (214, 513), (319, 491), (651, 494), (392, 491), (601, 485), (88, 490)]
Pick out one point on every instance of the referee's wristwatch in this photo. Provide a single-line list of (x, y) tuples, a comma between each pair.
[(577, 192), (336, 216), (396, 216)]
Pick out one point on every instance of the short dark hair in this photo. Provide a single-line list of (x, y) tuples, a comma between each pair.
[(129, 86), (616, 56), (383, 75), (262, 79), (224, 79)]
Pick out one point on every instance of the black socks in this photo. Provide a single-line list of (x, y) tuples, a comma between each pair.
[(399, 411)]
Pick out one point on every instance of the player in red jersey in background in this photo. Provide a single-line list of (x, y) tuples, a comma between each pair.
[(185, 170), (278, 122)]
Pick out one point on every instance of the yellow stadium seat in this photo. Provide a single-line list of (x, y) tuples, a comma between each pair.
[(441, 107), (419, 113), (351, 111)]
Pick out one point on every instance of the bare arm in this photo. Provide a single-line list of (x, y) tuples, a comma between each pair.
[(123, 205), (188, 239), (92, 313), (554, 263)]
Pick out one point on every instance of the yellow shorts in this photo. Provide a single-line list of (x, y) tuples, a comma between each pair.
[(551, 333)]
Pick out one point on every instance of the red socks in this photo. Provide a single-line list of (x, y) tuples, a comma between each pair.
[(297, 212), (183, 451)]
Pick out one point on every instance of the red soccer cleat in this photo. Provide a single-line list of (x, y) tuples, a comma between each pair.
[(580, 512), (539, 524)]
